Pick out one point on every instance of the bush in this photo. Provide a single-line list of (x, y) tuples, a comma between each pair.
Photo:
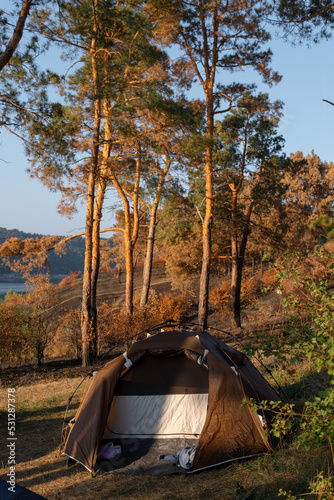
[(252, 288), (29, 321), (67, 339), (114, 328), (220, 296), (13, 340), (309, 336)]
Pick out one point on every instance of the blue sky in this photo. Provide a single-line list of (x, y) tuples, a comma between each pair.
[(307, 124)]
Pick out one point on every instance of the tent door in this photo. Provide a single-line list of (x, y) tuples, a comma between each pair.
[(160, 397)]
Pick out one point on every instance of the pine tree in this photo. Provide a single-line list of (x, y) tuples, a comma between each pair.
[(117, 64), (214, 37), (248, 154)]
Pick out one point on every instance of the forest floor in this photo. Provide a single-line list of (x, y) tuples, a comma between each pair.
[(41, 395)]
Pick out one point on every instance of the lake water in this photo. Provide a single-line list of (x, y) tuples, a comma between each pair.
[(16, 287), (5, 286)]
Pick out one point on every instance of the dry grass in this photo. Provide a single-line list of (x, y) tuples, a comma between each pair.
[(40, 408), (40, 405)]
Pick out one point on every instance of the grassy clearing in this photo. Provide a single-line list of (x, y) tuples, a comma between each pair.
[(40, 408)]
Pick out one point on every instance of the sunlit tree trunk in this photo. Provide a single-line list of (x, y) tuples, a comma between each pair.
[(130, 231), (207, 223), (210, 60), (99, 199), (128, 249), (88, 333), (147, 272), (130, 239), (86, 313)]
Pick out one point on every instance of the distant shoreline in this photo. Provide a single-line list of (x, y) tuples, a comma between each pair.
[(16, 278), (16, 283)]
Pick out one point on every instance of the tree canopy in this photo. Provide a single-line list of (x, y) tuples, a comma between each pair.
[(200, 174)]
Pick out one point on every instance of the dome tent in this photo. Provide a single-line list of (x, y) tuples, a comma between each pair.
[(175, 388)]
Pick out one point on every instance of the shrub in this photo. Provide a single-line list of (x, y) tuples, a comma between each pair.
[(67, 338), (13, 340), (252, 288), (309, 336), (30, 320), (220, 296), (68, 280), (114, 328)]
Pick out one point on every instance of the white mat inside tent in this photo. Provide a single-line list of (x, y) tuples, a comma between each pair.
[(163, 416)]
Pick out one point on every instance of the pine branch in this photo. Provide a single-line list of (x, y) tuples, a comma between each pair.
[(17, 35)]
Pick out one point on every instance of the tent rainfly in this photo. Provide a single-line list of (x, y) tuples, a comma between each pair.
[(174, 385)]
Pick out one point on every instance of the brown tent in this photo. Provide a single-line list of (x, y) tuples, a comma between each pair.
[(176, 388)]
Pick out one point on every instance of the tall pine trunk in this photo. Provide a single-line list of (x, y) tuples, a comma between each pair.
[(234, 261), (130, 232), (236, 281), (128, 248), (98, 207), (99, 199), (17, 34), (88, 332), (130, 239), (147, 272), (88, 347), (203, 305)]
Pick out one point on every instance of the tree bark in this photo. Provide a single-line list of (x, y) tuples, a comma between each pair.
[(203, 302), (17, 35), (130, 238), (234, 261), (88, 350), (99, 199), (98, 207), (130, 232), (128, 248), (88, 333), (210, 58), (236, 303), (147, 271)]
